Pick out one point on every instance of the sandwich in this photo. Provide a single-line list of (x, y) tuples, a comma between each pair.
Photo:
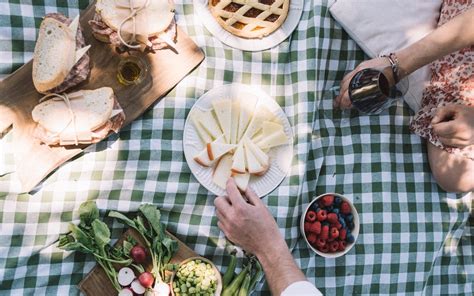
[(146, 25), (82, 117), (60, 59)]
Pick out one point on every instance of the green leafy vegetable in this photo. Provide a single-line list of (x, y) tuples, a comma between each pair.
[(88, 212)]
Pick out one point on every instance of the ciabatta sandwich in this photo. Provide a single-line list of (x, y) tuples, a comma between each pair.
[(146, 25), (82, 117), (60, 59)]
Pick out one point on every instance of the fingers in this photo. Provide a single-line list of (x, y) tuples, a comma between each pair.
[(445, 128), (233, 192), (252, 197), (222, 204), (445, 113), (342, 100)]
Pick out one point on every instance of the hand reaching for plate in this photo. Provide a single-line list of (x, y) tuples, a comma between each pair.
[(454, 125)]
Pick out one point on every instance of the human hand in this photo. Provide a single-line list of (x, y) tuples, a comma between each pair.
[(454, 125), (342, 100), (246, 221)]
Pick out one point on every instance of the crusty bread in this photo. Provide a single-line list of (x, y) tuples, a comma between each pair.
[(54, 54), (92, 108), (149, 22)]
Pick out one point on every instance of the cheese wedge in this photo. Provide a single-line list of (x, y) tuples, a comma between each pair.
[(208, 122), (254, 167), (234, 124), (216, 149), (223, 110), (276, 139), (247, 110), (238, 164), (74, 25), (261, 115), (203, 157), (201, 131), (81, 52), (223, 171), (241, 180), (269, 128), (261, 156)]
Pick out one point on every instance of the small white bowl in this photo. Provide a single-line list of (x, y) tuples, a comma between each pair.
[(355, 231), (216, 271)]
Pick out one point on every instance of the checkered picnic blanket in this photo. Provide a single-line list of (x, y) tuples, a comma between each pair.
[(414, 238)]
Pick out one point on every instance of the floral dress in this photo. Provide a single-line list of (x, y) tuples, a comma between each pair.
[(452, 82)]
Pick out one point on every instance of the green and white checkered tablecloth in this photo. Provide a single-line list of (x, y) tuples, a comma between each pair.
[(414, 239)]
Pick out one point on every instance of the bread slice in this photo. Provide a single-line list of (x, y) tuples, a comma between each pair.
[(223, 171), (152, 20), (91, 108), (54, 55)]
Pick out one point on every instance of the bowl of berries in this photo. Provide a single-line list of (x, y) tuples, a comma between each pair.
[(330, 225)]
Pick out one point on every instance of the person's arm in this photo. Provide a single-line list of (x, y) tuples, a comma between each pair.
[(246, 221), (456, 34)]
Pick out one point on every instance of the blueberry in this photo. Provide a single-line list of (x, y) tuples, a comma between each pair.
[(349, 218), (350, 225), (314, 207), (349, 238), (337, 200), (342, 222), (329, 209), (335, 211)]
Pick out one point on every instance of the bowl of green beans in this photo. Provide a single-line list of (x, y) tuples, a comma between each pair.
[(196, 276)]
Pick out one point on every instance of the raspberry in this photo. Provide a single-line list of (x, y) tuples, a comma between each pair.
[(342, 234), (315, 227), (312, 238), (334, 246), (334, 232), (325, 232), (328, 200), (307, 225), (345, 208), (332, 218), (330, 239), (324, 249), (322, 215), (338, 225), (320, 242), (342, 245), (310, 216)]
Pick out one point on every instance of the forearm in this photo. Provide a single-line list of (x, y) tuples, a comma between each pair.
[(279, 266), (452, 36)]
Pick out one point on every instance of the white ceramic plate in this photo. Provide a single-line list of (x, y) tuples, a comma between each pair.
[(272, 40), (280, 157)]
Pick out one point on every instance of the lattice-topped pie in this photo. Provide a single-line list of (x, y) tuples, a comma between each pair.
[(250, 18)]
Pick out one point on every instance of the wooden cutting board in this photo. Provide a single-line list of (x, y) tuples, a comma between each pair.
[(97, 282), (34, 161)]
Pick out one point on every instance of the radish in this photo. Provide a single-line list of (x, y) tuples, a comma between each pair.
[(161, 289), (146, 279), (125, 276), (137, 287), (138, 254), (125, 292)]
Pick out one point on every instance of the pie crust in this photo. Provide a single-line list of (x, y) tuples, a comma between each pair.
[(250, 18)]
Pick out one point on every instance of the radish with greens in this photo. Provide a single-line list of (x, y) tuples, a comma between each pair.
[(146, 279), (125, 292), (125, 276), (137, 287), (138, 254)]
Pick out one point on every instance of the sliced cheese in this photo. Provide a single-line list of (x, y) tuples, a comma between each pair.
[(253, 165), (261, 156), (276, 139), (74, 25), (234, 124), (216, 149), (261, 115), (241, 180), (269, 128), (203, 157), (238, 164), (223, 110), (208, 122), (223, 171), (246, 113), (202, 133)]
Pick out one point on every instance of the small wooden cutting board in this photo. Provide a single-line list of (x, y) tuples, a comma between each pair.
[(34, 161), (96, 283)]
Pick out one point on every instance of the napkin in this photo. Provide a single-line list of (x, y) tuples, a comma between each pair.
[(384, 26)]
